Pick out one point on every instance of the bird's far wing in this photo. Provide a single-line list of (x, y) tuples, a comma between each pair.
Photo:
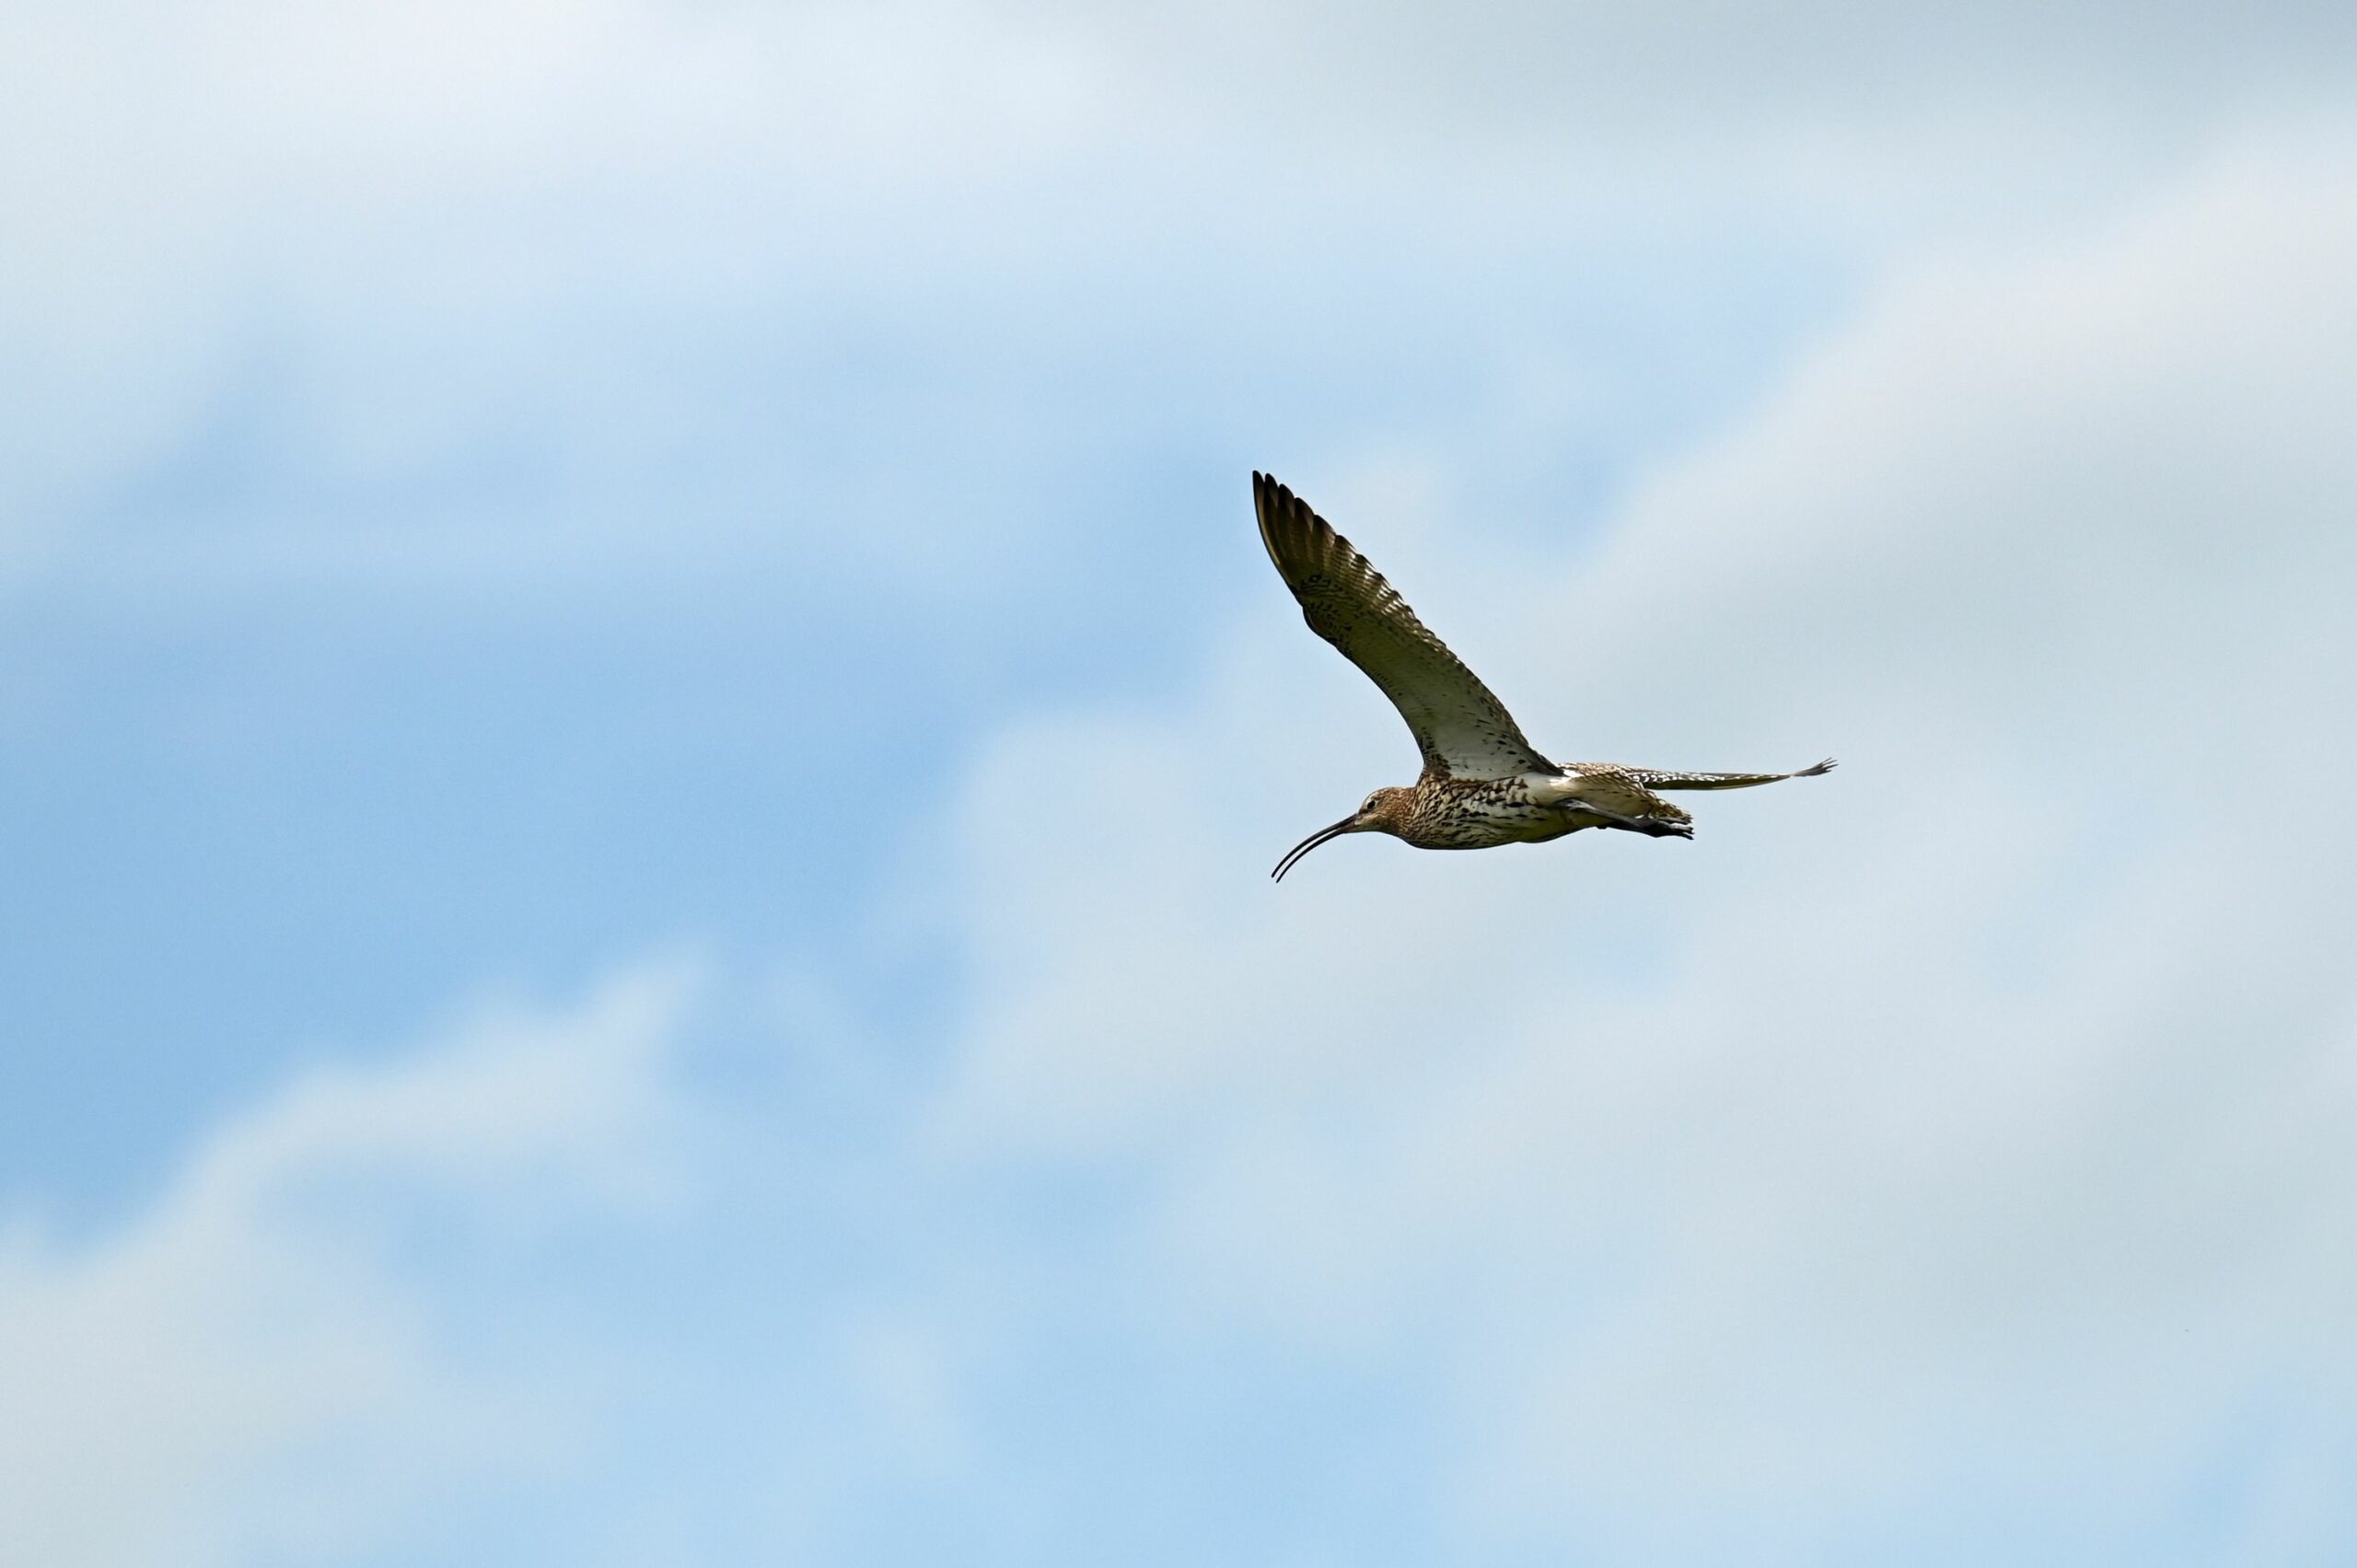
[(1459, 727), (1667, 778)]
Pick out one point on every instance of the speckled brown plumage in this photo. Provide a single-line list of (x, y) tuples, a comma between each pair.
[(1482, 784)]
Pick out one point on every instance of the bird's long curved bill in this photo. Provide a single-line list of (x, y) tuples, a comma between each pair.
[(1293, 855)]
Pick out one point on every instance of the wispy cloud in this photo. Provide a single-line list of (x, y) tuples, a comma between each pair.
[(568, 294), (257, 1362), (1967, 1114), (1946, 1157)]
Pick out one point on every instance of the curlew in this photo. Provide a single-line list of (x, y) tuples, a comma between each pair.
[(1482, 784)]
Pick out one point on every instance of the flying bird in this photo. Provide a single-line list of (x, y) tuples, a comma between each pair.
[(1482, 784)]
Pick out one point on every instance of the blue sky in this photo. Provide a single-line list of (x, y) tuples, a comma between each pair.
[(641, 727)]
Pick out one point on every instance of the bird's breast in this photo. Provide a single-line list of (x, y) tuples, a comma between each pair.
[(1478, 814)]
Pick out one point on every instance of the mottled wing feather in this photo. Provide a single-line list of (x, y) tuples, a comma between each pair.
[(1667, 778), (1461, 729), (1619, 791)]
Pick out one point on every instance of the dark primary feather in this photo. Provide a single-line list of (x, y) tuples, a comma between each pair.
[(1461, 729)]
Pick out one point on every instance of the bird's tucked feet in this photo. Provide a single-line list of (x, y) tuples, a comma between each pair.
[(1666, 824)]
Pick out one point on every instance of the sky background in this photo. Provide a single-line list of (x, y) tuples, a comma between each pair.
[(641, 726)]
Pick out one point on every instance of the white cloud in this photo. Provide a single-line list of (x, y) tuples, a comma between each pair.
[(254, 1363), (1959, 1136), (414, 209), (428, 231)]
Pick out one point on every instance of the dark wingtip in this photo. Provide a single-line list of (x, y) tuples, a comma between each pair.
[(1824, 767), (1283, 517), (1269, 490)]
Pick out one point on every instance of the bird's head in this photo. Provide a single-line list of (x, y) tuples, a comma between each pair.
[(1385, 812)]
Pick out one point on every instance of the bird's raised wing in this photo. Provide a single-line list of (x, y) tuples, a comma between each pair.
[(1459, 727)]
